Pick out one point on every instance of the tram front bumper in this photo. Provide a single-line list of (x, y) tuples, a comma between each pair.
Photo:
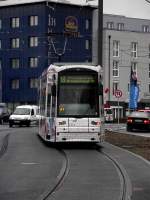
[(76, 137)]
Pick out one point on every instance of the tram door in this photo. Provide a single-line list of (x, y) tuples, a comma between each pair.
[(52, 109)]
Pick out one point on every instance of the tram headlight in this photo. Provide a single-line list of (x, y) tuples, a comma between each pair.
[(96, 123), (62, 123)]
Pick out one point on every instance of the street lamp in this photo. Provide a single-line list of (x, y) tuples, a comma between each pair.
[(100, 31)]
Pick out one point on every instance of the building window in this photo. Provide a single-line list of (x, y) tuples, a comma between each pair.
[(0, 44), (15, 43), (145, 28), (0, 64), (149, 87), (149, 51), (15, 22), (15, 84), (33, 41), (116, 48), (120, 26), (33, 20), (33, 82), (33, 62), (15, 63), (115, 68), (115, 87), (0, 24), (87, 44), (149, 71), (87, 24), (110, 25), (134, 47)]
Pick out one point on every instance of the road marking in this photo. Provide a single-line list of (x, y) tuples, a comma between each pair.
[(29, 163), (138, 189)]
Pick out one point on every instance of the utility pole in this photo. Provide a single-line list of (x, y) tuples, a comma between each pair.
[(100, 31), (109, 39)]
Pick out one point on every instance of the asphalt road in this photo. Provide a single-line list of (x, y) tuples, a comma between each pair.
[(27, 166), (28, 169)]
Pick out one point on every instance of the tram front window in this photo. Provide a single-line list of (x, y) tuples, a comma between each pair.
[(78, 100)]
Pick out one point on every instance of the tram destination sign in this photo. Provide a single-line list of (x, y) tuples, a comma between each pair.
[(76, 79)]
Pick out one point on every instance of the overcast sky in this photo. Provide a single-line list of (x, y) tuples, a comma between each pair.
[(129, 8)]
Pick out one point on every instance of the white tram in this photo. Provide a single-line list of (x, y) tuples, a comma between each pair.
[(71, 104)]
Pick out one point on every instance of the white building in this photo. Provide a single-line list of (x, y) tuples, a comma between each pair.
[(126, 43)]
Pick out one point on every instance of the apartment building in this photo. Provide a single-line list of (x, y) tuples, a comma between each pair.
[(126, 44), (34, 34)]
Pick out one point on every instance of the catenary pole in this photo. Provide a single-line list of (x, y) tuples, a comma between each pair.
[(100, 31)]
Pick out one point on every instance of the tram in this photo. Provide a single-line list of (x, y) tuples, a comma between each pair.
[(71, 104)]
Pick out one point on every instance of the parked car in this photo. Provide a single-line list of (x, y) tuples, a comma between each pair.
[(138, 120), (24, 115), (4, 113)]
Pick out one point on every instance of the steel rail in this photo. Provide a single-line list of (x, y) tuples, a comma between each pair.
[(59, 179), (125, 192), (4, 146)]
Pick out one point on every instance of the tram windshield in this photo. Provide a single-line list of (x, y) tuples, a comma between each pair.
[(78, 95)]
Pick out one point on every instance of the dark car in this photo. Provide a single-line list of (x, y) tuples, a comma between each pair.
[(139, 121), (4, 113)]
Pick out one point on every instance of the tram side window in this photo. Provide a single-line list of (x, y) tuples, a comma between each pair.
[(53, 103), (48, 104), (42, 102), (101, 98)]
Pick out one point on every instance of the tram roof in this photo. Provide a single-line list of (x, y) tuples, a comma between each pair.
[(4, 3), (61, 67)]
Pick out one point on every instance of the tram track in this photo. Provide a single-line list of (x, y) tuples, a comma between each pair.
[(59, 179), (125, 191), (4, 145), (125, 184)]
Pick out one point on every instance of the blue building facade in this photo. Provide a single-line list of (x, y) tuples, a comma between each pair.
[(34, 35)]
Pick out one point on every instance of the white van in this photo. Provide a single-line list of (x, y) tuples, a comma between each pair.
[(24, 115)]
